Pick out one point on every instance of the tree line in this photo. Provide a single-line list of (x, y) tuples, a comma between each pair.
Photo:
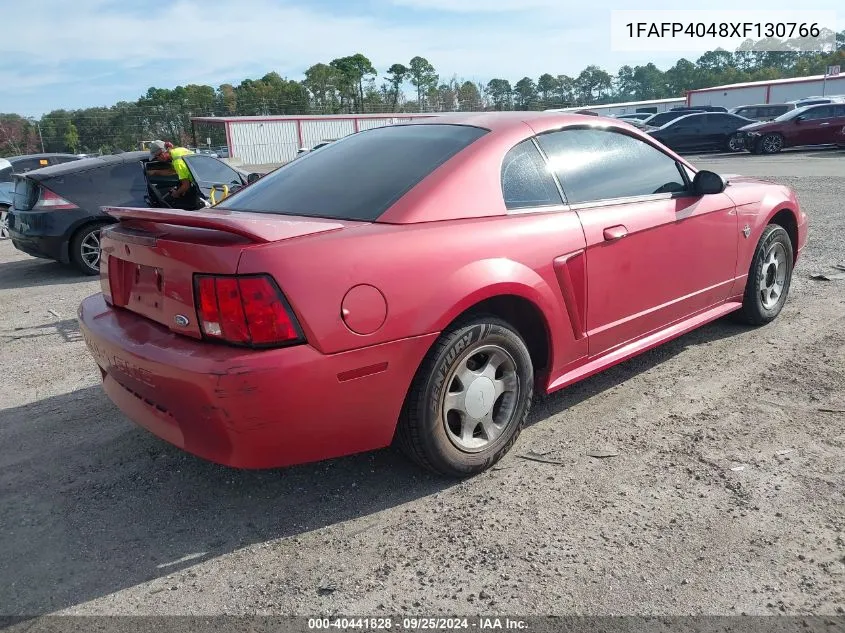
[(350, 85)]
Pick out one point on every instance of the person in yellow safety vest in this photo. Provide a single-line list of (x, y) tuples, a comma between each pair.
[(161, 151)]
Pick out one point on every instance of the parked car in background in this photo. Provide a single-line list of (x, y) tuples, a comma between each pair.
[(306, 150), (222, 342), (702, 131), (640, 116), (207, 152), (57, 210), (222, 152), (763, 111), (808, 101), (636, 119), (19, 165), (662, 118), (699, 109), (810, 125)]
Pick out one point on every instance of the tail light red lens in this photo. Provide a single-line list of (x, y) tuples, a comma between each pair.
[(246, 310), (52, 201)]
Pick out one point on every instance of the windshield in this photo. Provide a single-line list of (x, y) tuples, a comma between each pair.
[(359, 176)]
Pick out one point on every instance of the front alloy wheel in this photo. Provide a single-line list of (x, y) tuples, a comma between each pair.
[(469, 398), (771, 143), (769, 277)]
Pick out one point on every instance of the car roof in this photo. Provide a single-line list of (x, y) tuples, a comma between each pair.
[(86, 164), (14, 159), (504, 121), (4, 163)]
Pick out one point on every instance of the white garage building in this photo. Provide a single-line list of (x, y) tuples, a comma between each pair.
[(771, 91), (256, 140)]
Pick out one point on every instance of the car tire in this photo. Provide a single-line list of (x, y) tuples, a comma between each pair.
[(734, 144), (769, 277), (81, 248), (4, 222), (771, 143), (441, 428)]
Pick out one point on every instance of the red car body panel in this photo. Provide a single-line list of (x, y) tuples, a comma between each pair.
[(606, 280)]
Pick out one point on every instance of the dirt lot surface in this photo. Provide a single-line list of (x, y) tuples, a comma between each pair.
[(727, 496)]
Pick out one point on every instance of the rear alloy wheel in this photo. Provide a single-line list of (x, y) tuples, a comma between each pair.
[(771, 144), (769, 277), (734, 143), (85, 248), (469, 399), (4, 222)]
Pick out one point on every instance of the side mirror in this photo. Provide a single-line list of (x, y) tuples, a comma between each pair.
[(252, 178), (707, 182)]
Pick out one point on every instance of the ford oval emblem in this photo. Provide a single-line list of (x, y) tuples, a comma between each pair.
[(181, 320)]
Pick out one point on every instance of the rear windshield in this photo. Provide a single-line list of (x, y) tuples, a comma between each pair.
[(358, 177)]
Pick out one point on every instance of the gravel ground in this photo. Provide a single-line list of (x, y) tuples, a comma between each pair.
[(727, 496)]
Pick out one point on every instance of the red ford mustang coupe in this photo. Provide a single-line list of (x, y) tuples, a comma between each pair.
[(418, 282)]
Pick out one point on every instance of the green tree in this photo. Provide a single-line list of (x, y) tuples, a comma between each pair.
[(396, 76), (72, 138), (321, 80), (525, 93), (625, 84), (422, 76), (352, 71), (649, 82), (227, 99), (546, 86), (500, 93), (469, 97), (593, 84), (564, 91)]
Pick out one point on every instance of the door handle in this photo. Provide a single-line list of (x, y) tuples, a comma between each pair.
[(615, 232), (828, 123)]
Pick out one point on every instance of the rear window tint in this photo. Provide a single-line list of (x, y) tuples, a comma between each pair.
[(358, 177), (6, 174)]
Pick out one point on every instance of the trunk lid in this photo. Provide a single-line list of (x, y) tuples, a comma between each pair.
[(150, 257)]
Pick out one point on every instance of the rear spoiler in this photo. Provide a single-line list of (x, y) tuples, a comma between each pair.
[(256, 227)]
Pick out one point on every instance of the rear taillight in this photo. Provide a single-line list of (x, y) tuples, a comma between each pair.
[(245, 310), (50, 200)]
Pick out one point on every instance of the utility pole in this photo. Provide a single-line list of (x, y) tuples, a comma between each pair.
[(38, 125)]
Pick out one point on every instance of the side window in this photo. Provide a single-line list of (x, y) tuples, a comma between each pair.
[(821, 112), (839, 110), (750, 113), (6, 174), (211, 171), (526, 181), (597, 164)]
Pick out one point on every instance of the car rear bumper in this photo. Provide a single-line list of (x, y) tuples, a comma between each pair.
[(45, 247), (45, 233), (249, 408)]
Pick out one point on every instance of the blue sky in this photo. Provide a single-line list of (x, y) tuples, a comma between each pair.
[(96, 52)]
